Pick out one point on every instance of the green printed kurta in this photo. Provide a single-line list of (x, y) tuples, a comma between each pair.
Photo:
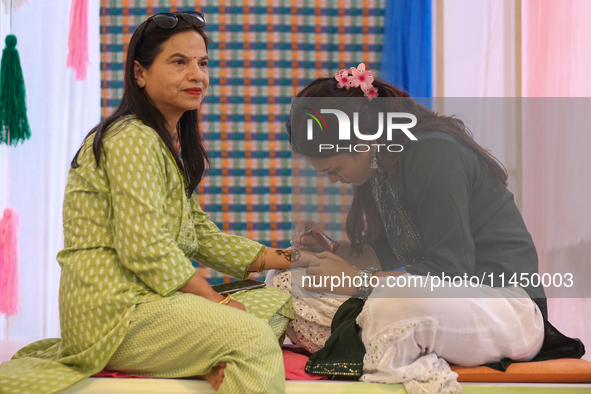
[(130, 232)]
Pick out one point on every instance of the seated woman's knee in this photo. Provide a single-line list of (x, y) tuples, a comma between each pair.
[(257, 329), (411, 308)]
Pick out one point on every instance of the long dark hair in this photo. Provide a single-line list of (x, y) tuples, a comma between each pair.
[(144, 47), (363, 214)]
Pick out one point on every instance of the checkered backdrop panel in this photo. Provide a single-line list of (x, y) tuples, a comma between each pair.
[(262, 53)]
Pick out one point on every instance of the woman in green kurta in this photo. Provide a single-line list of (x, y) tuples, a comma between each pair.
[(130, 298)]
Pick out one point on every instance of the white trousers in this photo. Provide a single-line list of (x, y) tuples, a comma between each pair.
[(409, 332)]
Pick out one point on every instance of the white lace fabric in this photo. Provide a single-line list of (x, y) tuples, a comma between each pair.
[(311, 328), (313, 314), (428, 374)]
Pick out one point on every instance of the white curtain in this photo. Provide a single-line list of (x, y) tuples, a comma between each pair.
[(479, 48), (479, 61), (61, 111)]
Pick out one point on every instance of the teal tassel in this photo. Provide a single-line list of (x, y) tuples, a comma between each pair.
[(13, 104)]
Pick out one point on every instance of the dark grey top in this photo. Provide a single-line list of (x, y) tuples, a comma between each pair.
[(443, 212)]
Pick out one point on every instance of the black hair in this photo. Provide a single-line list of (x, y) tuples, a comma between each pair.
[(363, 220)]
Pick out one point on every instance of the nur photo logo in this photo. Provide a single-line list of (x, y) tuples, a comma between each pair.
[(390, 119)]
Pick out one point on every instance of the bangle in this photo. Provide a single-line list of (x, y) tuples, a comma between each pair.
[(263, 259), (365, 289), (226, 300)]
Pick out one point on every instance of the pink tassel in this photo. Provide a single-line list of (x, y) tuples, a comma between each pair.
[(9, 295), (78, 39)]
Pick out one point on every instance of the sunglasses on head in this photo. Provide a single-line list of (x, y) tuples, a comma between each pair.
[(170, 20)]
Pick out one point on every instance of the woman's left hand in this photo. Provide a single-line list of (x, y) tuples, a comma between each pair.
[(236, 304), (330, 269), (301, 258)]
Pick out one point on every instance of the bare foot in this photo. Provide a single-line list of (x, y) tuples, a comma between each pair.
[(216, 375)]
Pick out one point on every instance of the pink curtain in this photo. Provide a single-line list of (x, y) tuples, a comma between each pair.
[(556, 149)]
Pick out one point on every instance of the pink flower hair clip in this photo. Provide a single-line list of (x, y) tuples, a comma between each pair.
[(357, 77)]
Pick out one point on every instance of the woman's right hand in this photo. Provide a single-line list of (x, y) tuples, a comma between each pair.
[(307, 242), (217, 297)]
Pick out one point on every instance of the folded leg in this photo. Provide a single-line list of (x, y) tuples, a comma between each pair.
[(186, 335)]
